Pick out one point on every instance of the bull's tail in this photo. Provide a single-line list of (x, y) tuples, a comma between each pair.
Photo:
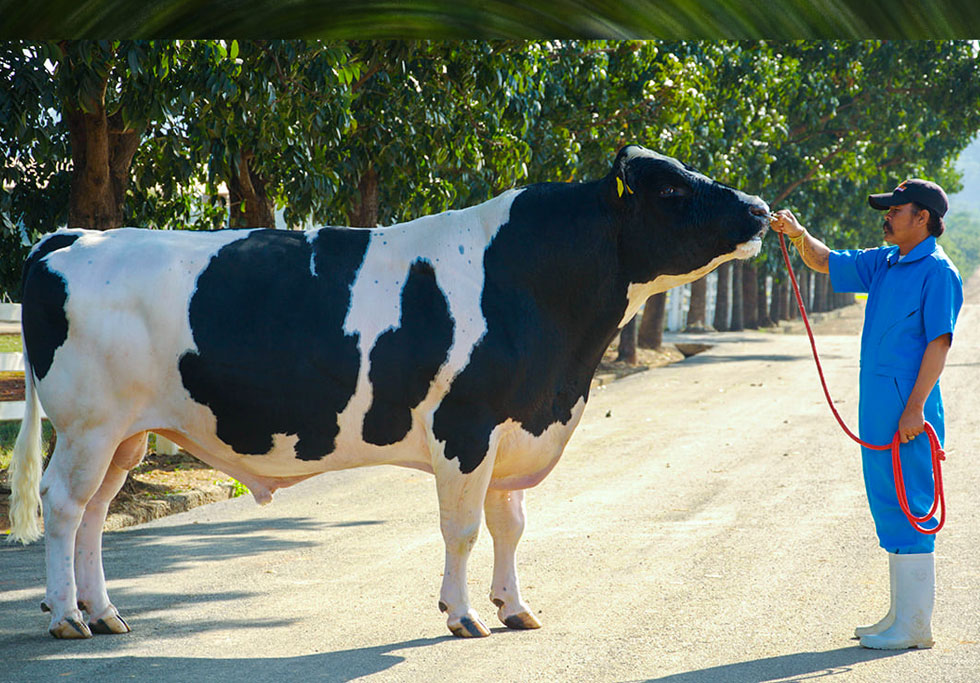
[(25, 468)]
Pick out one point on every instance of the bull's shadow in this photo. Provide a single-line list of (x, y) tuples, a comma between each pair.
[(149, 550), (344, 665), (140, 550)]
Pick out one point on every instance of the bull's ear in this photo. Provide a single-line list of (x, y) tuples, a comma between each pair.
[(621, 172)]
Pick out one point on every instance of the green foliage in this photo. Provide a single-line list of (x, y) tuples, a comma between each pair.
[(238, 489), (814, 126), (8, 437), (10, 343)]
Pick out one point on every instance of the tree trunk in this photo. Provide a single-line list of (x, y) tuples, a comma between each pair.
[(819, 292), (764, 317), (365, 214), (697, 307), (804, 280), (101, 154), (750, 301), (736, 325), (777, 309), (651, 334), (721, 297), (250, 206), (627, 343)]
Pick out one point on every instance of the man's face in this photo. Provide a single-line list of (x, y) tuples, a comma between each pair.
[(905, 226)]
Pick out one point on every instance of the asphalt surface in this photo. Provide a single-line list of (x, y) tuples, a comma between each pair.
[(707, 523)]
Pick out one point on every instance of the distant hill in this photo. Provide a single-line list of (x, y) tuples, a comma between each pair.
[(962, 238), (969, 165)]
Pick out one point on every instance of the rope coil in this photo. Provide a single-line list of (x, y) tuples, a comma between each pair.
[(938, 455)]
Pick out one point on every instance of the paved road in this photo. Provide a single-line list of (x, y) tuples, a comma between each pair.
[(707, 523)]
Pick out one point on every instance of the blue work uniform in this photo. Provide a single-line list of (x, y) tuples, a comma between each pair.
[(912, 300)]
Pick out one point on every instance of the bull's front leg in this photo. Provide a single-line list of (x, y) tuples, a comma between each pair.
[(461, 499), (505, 520)]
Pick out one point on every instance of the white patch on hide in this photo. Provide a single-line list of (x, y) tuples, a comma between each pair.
[(638, 293)]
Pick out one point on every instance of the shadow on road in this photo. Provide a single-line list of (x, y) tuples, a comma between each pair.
[(344, 665), (799, 666), (706, 358), (158, 549)]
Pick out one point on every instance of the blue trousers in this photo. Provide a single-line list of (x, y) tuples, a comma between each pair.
[(882, 402)]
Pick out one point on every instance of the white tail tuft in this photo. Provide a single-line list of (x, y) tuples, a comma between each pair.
[(25, 468)]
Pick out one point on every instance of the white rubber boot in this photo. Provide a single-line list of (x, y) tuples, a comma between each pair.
[(915, 595), (889, 618)]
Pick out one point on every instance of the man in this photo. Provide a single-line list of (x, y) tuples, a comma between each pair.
[(914, 296)]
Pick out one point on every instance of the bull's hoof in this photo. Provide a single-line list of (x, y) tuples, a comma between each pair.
[(523, 621), (470, 628), (109, 622), (70, 627)]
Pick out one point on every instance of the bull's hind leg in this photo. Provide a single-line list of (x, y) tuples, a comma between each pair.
[(505, 519), (89, 573), (76, 471), (461, 499)]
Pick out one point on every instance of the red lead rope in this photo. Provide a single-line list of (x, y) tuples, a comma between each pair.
[(939, 498)]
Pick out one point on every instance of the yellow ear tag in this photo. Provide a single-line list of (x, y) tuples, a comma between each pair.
[(629, 189), (619, 186)]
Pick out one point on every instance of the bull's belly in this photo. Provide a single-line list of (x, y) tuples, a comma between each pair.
[(520, 459)]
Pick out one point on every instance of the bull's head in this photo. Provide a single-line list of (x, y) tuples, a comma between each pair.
[(678, 224)]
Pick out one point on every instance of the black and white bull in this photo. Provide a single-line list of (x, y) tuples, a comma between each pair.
[(461, 344)]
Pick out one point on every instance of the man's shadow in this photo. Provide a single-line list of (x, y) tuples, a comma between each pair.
[(800, 666)]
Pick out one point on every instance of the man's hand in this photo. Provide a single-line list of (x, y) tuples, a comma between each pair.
[(785, 222), (912, 423), (814, 253)]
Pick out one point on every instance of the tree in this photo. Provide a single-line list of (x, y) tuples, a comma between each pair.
[(651, 332)]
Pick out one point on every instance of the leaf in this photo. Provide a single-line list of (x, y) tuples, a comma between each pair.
[(134, 63)]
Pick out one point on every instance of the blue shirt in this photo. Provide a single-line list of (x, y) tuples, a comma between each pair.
[(910, 302)]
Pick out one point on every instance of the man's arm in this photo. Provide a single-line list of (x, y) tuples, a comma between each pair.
[(814, 253), (912, 422)]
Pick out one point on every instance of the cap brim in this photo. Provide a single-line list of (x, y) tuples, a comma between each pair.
[(882, 201)]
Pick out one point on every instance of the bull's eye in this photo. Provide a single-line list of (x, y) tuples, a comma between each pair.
[(668, 191)]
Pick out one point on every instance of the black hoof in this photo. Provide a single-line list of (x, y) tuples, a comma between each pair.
[(102, 628), (468, 628)]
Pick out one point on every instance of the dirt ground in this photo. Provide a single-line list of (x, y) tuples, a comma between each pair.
[(165, 484)]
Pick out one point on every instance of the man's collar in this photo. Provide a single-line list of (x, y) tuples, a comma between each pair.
[(920, 250)]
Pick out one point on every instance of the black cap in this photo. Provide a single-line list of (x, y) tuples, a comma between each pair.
[(923, 192)]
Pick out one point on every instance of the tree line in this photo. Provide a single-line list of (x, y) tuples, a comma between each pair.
[(100, 134)]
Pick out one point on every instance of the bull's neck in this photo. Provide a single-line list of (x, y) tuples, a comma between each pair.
[(560, 251)]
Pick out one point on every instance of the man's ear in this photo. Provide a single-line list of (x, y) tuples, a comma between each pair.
[(922, 215)]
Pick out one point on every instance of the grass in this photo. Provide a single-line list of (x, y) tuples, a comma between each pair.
[(10, 343), (8, 436)]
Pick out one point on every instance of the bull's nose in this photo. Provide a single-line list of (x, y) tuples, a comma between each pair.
[(759, 210)]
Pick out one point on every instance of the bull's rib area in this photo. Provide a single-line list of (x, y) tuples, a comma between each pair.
[(272, 356), (405, 359)]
